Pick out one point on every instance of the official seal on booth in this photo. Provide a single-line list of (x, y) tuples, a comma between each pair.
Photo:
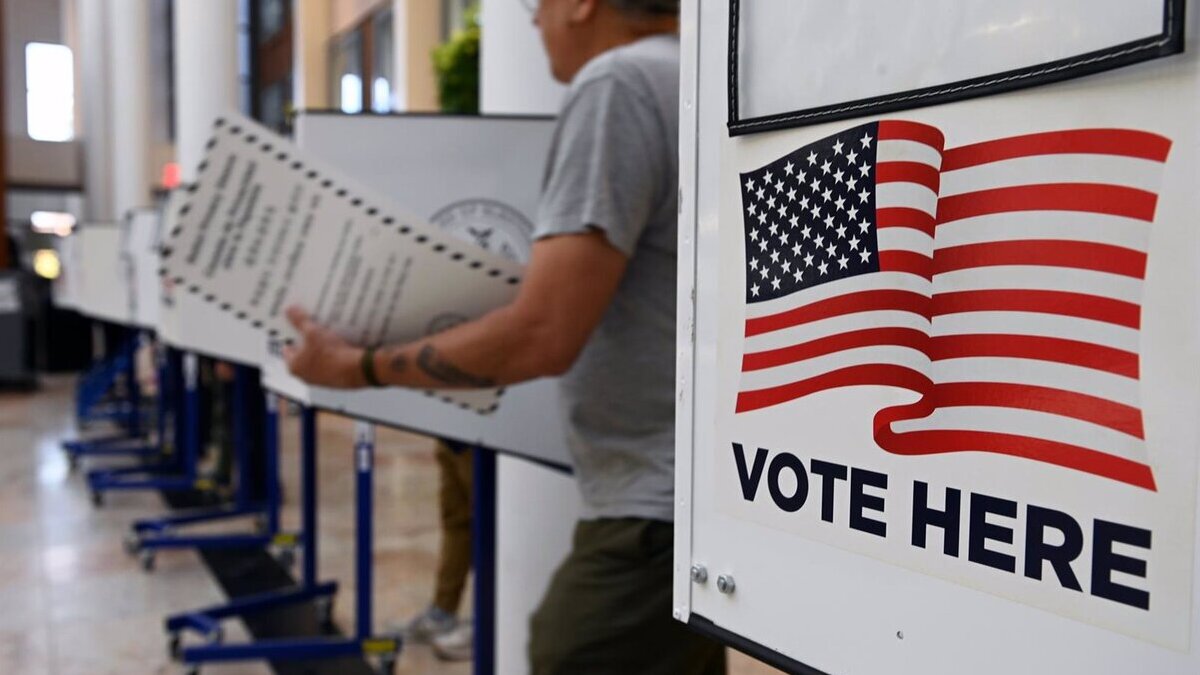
[(492, 225)]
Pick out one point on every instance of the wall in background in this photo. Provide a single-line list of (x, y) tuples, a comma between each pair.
[(29, 161)]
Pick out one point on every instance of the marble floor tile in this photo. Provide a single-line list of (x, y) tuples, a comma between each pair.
[(22, 606), (26, 652)]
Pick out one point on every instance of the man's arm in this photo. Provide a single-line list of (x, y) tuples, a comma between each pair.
[(568, 286)]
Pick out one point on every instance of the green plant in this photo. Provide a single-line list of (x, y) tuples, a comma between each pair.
[(456, 63)]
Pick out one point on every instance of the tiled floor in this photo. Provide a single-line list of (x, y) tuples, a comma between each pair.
[(71, 601)]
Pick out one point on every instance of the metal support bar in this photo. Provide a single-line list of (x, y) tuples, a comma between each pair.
[(364, 460), (362, 643), (251, 604), (154, 533), (308, 508), (483, 550)]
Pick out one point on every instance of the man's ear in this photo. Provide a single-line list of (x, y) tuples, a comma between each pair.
[(582, 11)]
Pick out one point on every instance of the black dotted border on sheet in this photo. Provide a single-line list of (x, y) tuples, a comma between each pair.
[(463, 405), (268, 148)]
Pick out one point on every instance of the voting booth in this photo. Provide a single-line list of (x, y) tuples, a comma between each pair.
[(938, 335), (386, 228), (478, 179)]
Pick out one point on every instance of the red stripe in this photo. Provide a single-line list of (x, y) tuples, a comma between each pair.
[(1121, 142), (1042, 450), (1083, 255), (1036, 347), (908, 172), (1078, 305), (876, 374), (1093, 409), (897, 130), (897, 216), (907, 262), (870, 337), (1115, 200), (851, 303)]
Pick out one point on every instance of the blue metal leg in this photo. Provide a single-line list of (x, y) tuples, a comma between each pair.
[(154, 533), (361, 643), (271, 447), (483, 550), (308, 508), (364, 452), (202, 620), (94, 384)]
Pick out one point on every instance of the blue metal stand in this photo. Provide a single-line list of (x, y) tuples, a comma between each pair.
[(176, 474), (150, 535), (93, 386), (483, 550), (362, 643)]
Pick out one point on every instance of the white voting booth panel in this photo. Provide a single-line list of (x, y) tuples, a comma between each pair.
[(477, 177), (141, 250), (942, 419), (104, 288)]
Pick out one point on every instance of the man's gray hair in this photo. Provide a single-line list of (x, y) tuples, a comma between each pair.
[(647, 7)]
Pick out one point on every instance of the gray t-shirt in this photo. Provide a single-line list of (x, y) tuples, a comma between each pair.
[(614, 167)]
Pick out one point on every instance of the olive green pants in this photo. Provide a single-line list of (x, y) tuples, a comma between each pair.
[(454, 559), (608, 608)]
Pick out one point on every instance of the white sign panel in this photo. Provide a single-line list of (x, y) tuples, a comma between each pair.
[(938, 415), (487, 203), (800, 62)]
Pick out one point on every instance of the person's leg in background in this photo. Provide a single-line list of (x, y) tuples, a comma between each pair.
[(454, 563), (440, 619), (608, 608)]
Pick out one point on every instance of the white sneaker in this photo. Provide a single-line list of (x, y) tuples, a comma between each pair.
[(457, 644), (429, 624)]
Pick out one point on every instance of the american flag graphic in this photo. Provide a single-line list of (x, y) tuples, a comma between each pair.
[(1000, 281)]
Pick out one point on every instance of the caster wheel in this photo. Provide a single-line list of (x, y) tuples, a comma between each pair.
[(97, 498), (324, 609), (387, 665), (286, 557), (132, 543), (147, 560), (175, 646)]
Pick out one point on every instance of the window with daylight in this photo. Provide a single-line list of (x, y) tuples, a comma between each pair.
[(49, 92)]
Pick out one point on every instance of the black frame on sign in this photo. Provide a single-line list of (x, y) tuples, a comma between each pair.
[(748, 647), (1169, 41)]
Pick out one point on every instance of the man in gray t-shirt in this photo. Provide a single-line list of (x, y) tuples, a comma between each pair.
[(614, 167), (597, 306)]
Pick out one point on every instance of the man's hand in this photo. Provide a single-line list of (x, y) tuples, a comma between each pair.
[(322, 357)]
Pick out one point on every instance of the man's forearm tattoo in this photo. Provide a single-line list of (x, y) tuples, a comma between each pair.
[(444, 371)]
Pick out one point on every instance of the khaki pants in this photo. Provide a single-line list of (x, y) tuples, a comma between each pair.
[(454, 561), (608, 608)]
